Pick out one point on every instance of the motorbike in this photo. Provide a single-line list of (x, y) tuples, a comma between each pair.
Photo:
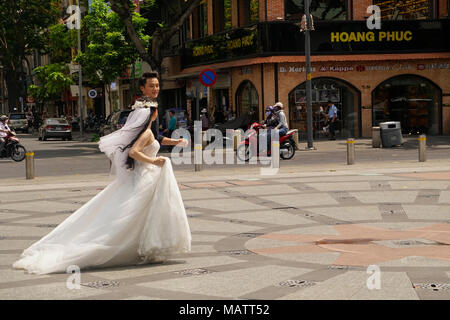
[(12, 148), (248, 148)]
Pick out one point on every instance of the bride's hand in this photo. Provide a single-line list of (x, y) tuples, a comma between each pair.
[(159, 161)]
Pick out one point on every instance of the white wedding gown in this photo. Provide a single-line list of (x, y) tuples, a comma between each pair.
[(138, 220)]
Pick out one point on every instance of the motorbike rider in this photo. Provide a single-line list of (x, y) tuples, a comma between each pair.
[(271, 122), (4, 130), (282, 125)]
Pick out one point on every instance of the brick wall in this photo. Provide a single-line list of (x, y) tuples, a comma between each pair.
[(234, 13), (360, 9), (209, 9), (443, 9), (275, 9)]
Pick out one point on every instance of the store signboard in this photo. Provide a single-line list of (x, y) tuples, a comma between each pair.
[(329, 38)]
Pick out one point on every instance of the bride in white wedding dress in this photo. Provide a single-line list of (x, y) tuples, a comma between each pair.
[(138, 218)]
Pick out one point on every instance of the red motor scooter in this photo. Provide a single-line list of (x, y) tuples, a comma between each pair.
[(248, 148)]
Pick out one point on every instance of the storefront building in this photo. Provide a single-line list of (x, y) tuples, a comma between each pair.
[(400, 72)]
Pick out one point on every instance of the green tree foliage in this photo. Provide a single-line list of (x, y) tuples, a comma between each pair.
[(180, 10), (53, 79), (109, 51), (23, 28)]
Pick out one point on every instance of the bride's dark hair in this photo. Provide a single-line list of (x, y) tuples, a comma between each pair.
[(130, 161)]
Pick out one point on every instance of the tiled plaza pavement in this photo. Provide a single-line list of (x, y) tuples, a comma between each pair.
[(279, 237)]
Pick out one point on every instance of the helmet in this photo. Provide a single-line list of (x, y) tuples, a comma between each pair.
[(3, 118), (269, 110), (278, 105)]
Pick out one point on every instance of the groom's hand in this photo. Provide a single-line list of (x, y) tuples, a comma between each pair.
[(182, 143)]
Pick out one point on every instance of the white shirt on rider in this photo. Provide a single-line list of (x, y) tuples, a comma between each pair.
[(3, 126), (283, 121)]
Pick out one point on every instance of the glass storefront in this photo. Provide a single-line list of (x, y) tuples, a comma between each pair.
[(345, 97), (247, 100), (410, 99)]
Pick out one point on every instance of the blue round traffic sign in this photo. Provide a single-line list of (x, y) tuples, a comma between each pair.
[(208, 77)]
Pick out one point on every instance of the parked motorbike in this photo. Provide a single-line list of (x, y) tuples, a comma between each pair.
[(248, 148), (12, 148)]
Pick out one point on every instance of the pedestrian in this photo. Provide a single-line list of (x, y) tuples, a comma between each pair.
[(138, 218), (331, 120), (172, 122), (205, 122)]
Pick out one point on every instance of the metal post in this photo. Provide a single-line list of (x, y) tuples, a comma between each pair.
[(376, 137), (308, 76), (350, 151), (275, 151), (297, 142), (198, 146), (422, 148), (80, 81), (29, 159), (198, 138)]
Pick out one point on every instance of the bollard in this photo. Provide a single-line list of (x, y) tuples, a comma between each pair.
[(297, 143), (236, 139), (350, 151), (29, 158), (376, 137), (198, 150), (422, 148), (275, 155)]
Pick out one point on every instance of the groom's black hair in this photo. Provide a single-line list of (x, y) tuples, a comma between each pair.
[(147, 75)]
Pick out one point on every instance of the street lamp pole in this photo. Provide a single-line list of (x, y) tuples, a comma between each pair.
[(80, 78), (308, 76)]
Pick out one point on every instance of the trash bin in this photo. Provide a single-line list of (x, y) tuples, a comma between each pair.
[(391, 134)]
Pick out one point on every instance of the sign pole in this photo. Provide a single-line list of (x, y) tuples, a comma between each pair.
[(308, 76)]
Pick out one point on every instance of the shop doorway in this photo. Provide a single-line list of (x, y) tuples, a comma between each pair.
[(324, 89), (412, 100), (221, 105), (247, 100)]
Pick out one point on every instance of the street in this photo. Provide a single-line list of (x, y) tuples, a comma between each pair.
[(61, 158)]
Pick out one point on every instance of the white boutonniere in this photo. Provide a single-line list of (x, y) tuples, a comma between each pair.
[(145, 102)]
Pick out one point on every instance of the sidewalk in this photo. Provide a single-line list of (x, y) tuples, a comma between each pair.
[(306, 233)]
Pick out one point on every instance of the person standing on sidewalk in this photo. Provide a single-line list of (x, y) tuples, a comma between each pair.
[(332, 117), (172, 123)]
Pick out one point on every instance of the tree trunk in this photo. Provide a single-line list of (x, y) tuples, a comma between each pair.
[(12, 85)]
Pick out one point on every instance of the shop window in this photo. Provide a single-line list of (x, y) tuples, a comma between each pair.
[(344, 96), (320, 9), (222, 15), (412, 100), (247, 101), (248, 12), (405, 9)]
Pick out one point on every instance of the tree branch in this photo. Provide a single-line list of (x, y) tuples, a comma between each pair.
[(122, 8)]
